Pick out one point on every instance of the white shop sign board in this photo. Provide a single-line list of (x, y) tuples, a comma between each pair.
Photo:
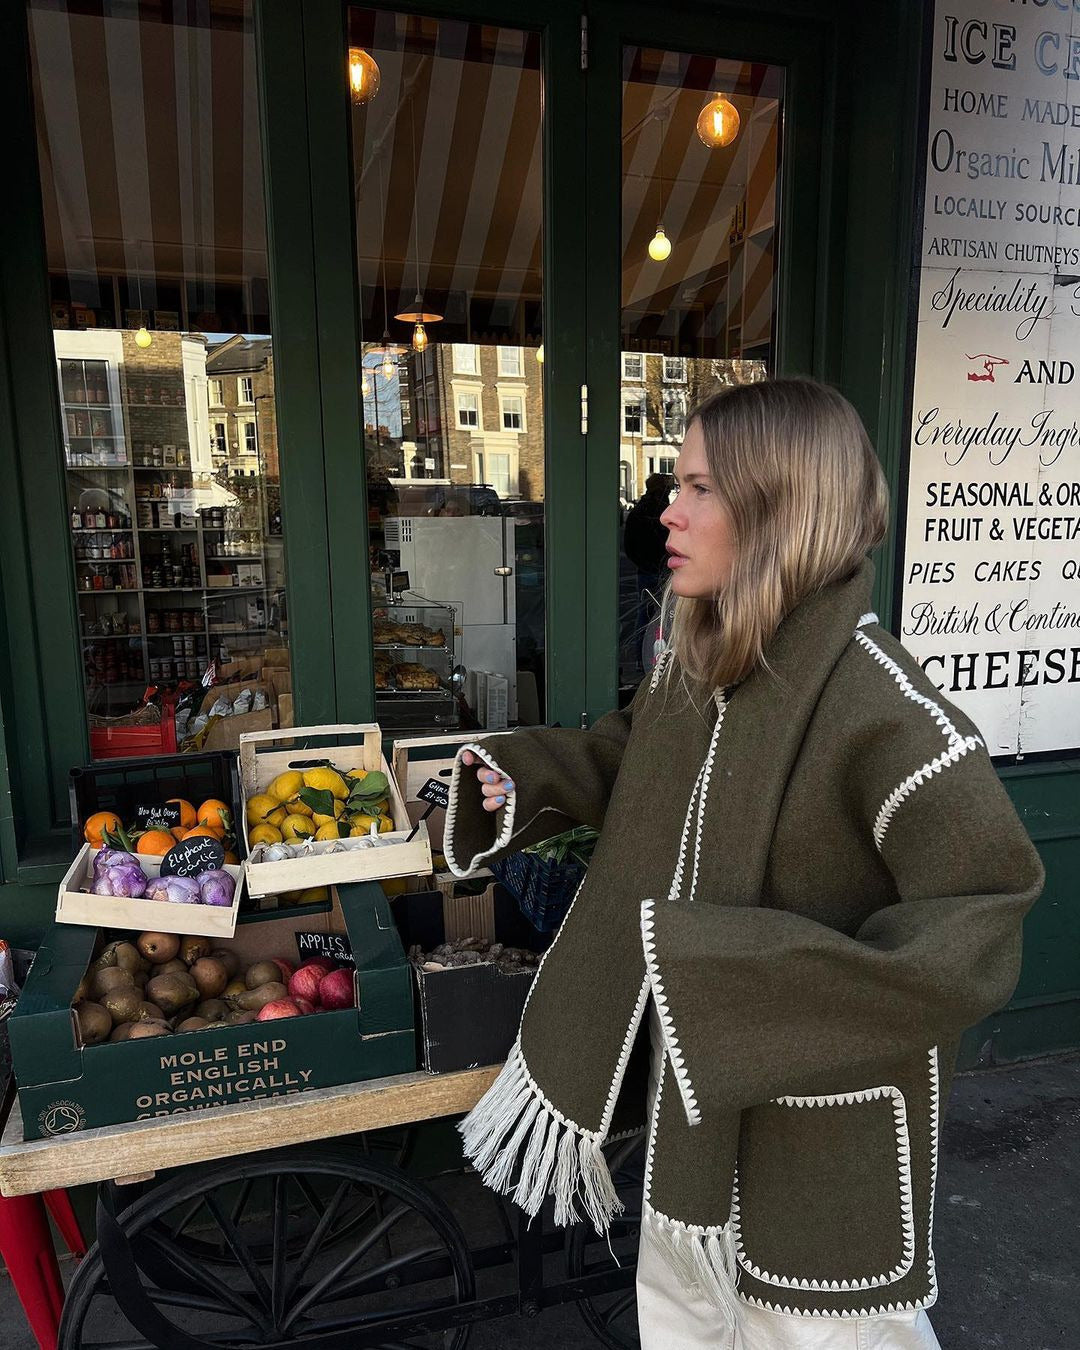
[(991, 578)]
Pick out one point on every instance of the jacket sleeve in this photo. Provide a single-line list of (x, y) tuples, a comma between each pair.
[(562, 778), (776, 1004)]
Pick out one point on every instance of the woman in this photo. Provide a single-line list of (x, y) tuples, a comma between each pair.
[(808, 877)]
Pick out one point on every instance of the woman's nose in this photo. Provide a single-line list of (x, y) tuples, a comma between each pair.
[(668, 516)]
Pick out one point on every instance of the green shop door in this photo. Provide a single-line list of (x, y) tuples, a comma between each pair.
[(436, 161), (703, 203)]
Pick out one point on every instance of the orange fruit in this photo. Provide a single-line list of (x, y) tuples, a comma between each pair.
[(177, 832), (230, 857), (203, 832), (97, 824), (216, 814), (155, 843), (187, 812)]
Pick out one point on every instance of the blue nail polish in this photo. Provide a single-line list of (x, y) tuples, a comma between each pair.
[(509, 785), (491, 778), (499, 801)]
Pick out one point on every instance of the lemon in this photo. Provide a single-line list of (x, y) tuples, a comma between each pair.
[(312, 896), (362, 825), (295, 807), (286, 785), (329, 831), (382, 806), (264, 834), (326, 780), (295, 828), (277, 816), (339, 811), (393, 886), (357, 773), (386, 824), (259, 808)]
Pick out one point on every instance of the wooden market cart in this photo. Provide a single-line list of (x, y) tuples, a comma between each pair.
[(294, 1223)]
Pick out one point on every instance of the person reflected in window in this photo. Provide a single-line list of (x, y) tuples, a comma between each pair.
[(644, 543)]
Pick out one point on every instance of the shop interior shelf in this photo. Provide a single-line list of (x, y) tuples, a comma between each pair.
[(102, 529), (116, 590), (112, 637), (99, 406), (97, 468)]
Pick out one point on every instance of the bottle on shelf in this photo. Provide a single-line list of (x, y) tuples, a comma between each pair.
[(76, 518)]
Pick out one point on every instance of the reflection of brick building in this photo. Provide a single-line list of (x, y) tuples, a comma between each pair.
[(657, 392), (240, 391), (485, 404)]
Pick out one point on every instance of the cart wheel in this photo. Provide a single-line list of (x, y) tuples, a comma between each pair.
[(612, 1318), (392, 1147), (403, 1256)]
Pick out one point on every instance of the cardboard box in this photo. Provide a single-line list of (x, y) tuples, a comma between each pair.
[(243, 668), (422, 757), (467, 1016), (276, 657), (74, 905), (330, 862), (225, 734), (64, 1087), (286, 717)]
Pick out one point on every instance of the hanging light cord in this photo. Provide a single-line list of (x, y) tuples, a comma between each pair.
[(416, 193), (382, 249)]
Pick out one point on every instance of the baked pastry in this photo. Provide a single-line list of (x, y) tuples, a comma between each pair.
[(410, 675), (382, 679)]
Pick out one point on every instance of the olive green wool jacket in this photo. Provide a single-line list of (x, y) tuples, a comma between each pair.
[(819, 881)]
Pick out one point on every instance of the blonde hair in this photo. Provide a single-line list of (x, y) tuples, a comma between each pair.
[(807, 500)]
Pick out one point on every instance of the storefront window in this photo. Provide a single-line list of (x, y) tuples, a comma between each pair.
[(698, 286), (156, 245), (447, 171)]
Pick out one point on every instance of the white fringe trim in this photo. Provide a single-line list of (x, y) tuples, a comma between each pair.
[(522, 1146), (702, 1260)]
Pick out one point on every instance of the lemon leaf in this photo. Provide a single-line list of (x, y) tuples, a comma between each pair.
[(321, 800), (374, 785)]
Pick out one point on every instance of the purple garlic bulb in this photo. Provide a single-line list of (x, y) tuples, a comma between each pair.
[(174, 890), (216, 887)]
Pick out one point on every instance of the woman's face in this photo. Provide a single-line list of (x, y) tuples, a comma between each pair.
[(700, 545)]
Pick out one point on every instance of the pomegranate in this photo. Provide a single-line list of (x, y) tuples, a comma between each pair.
[(305, 1006), (280, 1007), (285, 967), (336, 990), (304, 983)]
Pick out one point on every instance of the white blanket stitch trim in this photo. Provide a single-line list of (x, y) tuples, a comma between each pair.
[(452, 809), (958, 745), (907, 1213), (671, 1039), (935, 1122)]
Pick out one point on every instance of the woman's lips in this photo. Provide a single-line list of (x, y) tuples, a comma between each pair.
[(675, 559)]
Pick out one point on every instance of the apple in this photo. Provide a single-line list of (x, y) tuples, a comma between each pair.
[(280, 1007), (305, 982), (305, 1006), (286, 968), (336, 990)]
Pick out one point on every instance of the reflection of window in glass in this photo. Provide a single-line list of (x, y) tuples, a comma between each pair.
[(468, 410), (674, 417), (633, 366), (498, 467), (465, 358), (214, 393), (509, 360), (633, 417), (660, 463), (626, 481), (217, 439), (674, 369), (247, 434), (513, 413), (244, 390)]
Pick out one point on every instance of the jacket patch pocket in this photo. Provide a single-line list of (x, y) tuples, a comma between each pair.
[(822, 1195)]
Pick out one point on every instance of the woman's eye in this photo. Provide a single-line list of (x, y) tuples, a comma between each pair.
[(701, 490)]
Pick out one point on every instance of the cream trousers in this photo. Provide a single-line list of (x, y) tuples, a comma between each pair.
[(670, 1318)]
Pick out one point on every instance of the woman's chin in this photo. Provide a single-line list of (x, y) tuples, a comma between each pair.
[(683, 585)]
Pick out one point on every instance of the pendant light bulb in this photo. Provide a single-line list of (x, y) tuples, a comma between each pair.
[(419, 338), (389, 365), (364, 76), (540, 353), (718, 122), (365, 385), (659, 245), (143, 338)]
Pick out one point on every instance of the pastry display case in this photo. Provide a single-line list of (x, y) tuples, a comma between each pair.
[(415, 661)]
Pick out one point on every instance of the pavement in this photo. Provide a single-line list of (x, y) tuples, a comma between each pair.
[(1008, 1223)]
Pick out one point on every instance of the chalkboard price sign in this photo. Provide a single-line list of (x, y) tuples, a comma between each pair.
[(438, 794), (192, 856), (162, 816), (335, 946)]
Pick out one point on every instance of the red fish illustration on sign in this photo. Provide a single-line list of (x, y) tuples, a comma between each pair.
[(989, 362)]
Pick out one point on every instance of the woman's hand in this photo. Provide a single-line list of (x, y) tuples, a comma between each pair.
[(496, 789)]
